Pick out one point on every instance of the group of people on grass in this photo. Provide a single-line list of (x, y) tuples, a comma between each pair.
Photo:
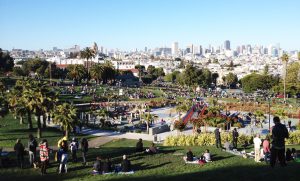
[(61, 156), (271, 152), (202, 159)]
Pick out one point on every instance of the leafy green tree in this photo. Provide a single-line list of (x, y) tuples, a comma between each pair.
[(254, 81), (231, 79), (6, 62), (215, 77), (266, 69), (65, 116), (285, 59)]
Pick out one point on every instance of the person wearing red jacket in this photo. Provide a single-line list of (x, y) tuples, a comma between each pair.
[(44, 156)]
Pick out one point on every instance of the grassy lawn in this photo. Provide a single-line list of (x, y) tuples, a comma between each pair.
[(11, 130), (167, 165)]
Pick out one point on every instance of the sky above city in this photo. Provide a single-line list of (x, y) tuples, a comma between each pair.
[(130, 24)]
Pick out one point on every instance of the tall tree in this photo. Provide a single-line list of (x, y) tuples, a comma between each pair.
[(76, 72), (285, 59), (65, 116), (96, 72), (230, 79), (6, 61), (215, 77), (88, 53)]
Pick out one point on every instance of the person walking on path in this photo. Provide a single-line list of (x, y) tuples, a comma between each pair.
[(218, 138), (19, 149), (235, 135), (32, 144), (257, 142), (44, 156), (84, 149), (279, 133)]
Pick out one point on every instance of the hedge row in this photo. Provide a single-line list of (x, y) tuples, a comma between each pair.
[(207, 139)]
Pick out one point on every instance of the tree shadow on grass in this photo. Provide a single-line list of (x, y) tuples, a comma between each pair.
[(232, 173), (214, 157)]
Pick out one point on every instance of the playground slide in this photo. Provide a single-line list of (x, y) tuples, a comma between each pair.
[(188, 115)]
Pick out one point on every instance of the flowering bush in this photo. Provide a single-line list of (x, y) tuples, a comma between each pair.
[(179, 125)]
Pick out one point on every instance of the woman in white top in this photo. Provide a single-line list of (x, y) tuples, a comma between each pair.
[(207, 156)]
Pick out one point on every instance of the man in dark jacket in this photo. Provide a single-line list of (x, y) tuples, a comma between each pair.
[(235, 136), (189, 156), (19, 149), (125, 165), (218, 138), (32, 144), (84, 149), (139, 146), (279, 133)]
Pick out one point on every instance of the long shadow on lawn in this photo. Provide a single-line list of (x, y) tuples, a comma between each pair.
[(233, 173)]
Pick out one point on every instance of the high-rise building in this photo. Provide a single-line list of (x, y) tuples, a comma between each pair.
[(227, 45), (146, 49), (200, 50), (175, 48)]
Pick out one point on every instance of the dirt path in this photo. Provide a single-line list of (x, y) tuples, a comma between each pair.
[(99, 141)]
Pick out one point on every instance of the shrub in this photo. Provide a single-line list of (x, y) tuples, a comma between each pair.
[(294, 138), (203, 139), (179, 125)]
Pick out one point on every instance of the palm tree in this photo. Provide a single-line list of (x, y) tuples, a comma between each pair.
[(96, 72), (108, 72), (17, 99), (76, 72), (149, 119), (88, 53), (102, 113), (65, 116), (285, 59)]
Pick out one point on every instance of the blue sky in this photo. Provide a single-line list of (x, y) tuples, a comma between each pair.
[(130, 24)]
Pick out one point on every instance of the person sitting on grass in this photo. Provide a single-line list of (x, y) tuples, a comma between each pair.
[(189, 156), (97, 166), (107, 166), (227, 145), (294, 153), (288, 155), (125, 165), (207, 156), (139, 146), (152, 149), (202, 161)]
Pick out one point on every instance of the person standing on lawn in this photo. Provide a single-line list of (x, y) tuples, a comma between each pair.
[(235, 136), (32, 144), (218, 138), (44, 156), (84, 148), (257, 142), (19, 149), (279, 133)]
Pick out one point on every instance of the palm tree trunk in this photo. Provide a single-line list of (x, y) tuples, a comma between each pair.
[(39, 131), (67, 132), (44, 121), (29, 120)]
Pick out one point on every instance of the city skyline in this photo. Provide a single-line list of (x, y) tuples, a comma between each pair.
[(132, 24)]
